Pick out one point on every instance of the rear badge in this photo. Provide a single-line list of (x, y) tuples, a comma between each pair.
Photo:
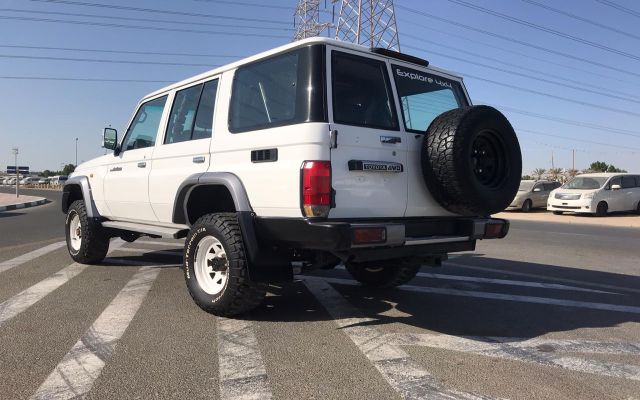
[(374, 166)]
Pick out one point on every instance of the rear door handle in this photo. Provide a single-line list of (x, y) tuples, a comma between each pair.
[(142, 164), (198, 160)]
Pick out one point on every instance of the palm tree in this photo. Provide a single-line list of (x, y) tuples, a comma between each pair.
[(555, 172), (538, 172), (572, 172)]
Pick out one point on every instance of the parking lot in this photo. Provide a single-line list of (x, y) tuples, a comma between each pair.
[(551, 312)]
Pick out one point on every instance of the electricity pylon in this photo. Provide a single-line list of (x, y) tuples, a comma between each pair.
[(367, 22)]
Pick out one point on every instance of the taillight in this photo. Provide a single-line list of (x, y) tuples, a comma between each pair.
[(316, 188)]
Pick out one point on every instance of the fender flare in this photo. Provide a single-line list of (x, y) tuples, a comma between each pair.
[(85, 188), (226, 179)]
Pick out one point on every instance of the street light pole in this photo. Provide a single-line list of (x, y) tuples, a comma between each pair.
[(76, 153), (15, 153)]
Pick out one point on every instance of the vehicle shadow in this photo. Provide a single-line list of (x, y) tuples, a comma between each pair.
[(463, 315)]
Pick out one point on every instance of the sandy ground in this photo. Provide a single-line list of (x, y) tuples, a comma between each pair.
[(623, 220), (7, 199)]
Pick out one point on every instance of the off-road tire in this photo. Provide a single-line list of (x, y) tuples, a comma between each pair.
[(602, 209), (383, 274), (471, 161), (527, 206), (239, 294), (95, 240)]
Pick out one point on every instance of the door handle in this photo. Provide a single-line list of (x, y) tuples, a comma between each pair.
[(390, 139), (142, 164), (198, 160), (115, 169)]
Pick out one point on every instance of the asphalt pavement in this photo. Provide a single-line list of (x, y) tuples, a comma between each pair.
[(550, 312)]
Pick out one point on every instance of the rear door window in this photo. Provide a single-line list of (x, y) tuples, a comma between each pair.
[(192, 113), (628, 182), (424, 96), (362, 92)]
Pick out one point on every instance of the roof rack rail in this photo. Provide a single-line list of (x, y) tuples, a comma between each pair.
[(400, 56)]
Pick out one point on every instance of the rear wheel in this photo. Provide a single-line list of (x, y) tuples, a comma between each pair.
[(383, 274), (87, 241), (216, 267), (526, 206), (602, 209)]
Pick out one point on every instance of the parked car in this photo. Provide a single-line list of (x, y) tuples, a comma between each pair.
[(43, 181), (323, 153), (597, 194), (532, 194), (27, 180), (58, 180), (11, 181)]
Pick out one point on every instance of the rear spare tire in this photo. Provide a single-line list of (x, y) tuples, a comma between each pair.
[(471, 160)]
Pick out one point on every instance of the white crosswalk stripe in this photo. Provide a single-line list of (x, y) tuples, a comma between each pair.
[(28, 297), (9, 264), (75, 374), (506, 297), (242, 372), (409, 379)]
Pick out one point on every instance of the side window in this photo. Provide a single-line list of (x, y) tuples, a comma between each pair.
[(628, 182), (144, 128), (550, 186), (539, 186), (183, 115), (191, 116), (637, 180), (614, 181), (203, 126), (362, 92)]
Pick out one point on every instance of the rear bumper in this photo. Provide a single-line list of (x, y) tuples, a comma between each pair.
[(441, 234)]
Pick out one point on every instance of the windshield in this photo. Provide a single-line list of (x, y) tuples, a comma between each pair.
[(525, 186), (585, 183), (424, 96)]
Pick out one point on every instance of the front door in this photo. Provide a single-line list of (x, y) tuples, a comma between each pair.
[(369, 151), (126, 183)]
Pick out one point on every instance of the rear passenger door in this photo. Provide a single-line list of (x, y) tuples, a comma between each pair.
[(630, 192), (369, 161), (184, 149)]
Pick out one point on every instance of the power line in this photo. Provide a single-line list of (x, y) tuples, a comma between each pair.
[(493, 68), (520, 42), (52, 78), (620, 7), (579, 18), (246, 4), (143, 19), (153, 28), (50, 58), (158, 11), (574, 139), (544, 29), (545, 73), (137, 52), (543, 60)]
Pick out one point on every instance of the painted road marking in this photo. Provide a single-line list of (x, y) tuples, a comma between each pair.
[(406, 377), (507, 282), (28, 297), (506, 297), (536, 276), (538, 351), (7, 265), (243, 375), (74, 376)]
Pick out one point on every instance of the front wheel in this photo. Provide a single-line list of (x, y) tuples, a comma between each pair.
[(602, 209), (87, 241), (557, 213), (216, 267), (383, 274), (526, 206)]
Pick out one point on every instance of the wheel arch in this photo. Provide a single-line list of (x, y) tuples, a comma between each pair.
[(78, 188), (226, 187)]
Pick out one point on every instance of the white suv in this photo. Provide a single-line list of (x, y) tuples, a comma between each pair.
[(309, 155)]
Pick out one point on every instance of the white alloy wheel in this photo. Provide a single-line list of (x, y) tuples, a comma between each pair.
[(211, 265), (75, 232)]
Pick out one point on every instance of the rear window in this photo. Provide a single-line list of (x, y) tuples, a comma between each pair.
[(628, 182), (424, 96), (362, 92), (282, 90)]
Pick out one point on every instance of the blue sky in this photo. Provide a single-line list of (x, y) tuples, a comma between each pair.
[(43, 117)]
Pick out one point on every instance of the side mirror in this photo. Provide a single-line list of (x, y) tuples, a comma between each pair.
[(616, 187), (109, 138), (537, 189)]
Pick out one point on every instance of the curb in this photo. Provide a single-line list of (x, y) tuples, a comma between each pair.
[(23, 205)]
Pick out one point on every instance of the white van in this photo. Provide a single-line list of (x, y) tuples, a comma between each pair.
[(58, 180), (597, 194)]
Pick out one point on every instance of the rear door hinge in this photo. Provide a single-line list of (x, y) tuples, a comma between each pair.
[(333, 139)]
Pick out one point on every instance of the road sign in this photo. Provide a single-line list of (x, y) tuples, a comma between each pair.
[(11, 169)]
